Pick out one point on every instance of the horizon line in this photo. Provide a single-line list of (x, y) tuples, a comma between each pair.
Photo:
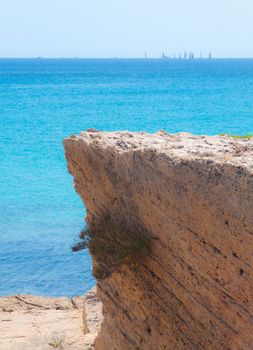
[(126, 58)]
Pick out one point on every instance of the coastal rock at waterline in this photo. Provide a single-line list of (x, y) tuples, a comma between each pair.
[(29, 322), (170, 219)]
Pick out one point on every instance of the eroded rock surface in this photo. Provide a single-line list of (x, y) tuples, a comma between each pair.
[(194, 197), (29, 322)]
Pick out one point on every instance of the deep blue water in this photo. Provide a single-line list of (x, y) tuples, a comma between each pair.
[(43, 101)]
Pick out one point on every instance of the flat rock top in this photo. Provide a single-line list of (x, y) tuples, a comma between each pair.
[(181, 145), (30, 322), (27, 302)]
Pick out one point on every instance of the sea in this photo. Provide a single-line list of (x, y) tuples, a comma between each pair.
[(44, 100)]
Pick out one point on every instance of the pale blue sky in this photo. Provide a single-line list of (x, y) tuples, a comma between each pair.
[(128, 28)]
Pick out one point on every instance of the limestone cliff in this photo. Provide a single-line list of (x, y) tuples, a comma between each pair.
[(188, 203)]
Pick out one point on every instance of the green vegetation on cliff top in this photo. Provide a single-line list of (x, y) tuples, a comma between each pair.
[(239, 137)]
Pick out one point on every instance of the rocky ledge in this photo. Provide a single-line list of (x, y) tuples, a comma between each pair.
[(170, 230), (39, 323)]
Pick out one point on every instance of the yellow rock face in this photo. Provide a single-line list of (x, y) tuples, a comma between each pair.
[(194, 197)]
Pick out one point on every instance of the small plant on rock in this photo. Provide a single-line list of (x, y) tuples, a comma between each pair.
[(113, 243), (56, 344)]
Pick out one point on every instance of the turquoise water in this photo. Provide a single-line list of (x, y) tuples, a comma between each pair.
[(43, 101)]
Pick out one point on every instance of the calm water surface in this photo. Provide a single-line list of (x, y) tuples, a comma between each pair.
[(43, 101)]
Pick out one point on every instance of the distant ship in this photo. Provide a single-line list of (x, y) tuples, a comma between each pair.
[(191, 56), (185, 56), (164, 57)]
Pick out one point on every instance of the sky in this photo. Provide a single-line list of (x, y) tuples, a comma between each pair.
[(125, 28)]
